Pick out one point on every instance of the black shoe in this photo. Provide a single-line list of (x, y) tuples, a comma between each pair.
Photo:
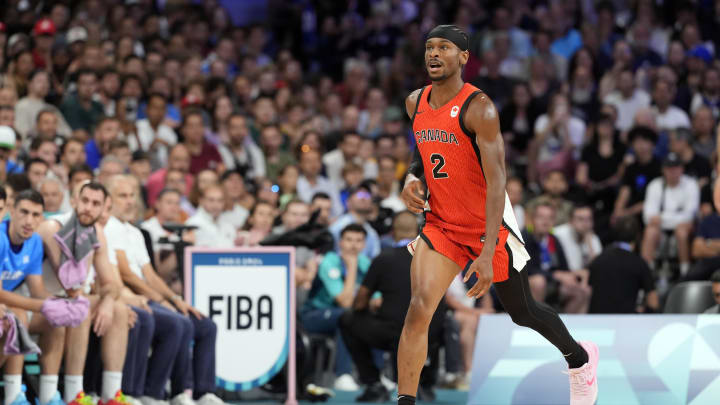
[(426, 394), (374, 393)]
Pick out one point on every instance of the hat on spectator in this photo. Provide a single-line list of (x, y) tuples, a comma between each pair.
[(7, 137), (392, 113), (44, 26), (76, 34), (700, 52), (672, 160), (643, 132)]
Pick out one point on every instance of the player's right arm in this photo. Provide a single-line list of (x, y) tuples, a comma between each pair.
[(413, 194)]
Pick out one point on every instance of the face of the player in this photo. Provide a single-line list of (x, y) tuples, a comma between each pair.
[(25, 217), (90, 206), (443, 58), (352, 243), (123, 201)]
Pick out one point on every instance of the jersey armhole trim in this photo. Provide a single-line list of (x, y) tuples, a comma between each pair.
[(463, 110), (417, 104)]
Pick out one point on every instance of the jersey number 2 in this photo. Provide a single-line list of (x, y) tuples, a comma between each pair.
[(439, 161)]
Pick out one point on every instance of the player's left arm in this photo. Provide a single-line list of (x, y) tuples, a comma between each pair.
[(482, 118)]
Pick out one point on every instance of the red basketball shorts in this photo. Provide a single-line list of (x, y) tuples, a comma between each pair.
[(448, 244)]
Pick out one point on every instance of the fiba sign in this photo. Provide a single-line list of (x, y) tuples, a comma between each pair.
[(250, 295)]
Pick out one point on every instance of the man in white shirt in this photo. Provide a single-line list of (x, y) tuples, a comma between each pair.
[(152, 135), (627, 99), (167, 210), (311, 182), (177, 324), (668, 117), (212, 231), (28, 107), (580, 244), (671, 203), (241, 153), (234, 188)]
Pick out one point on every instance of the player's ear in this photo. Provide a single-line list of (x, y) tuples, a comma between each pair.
[(464, 56)]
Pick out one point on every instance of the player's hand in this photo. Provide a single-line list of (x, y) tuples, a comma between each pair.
[(413, 195), (103, 317), (482, 267)]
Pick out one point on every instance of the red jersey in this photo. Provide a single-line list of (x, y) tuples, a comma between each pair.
[(452, 166)]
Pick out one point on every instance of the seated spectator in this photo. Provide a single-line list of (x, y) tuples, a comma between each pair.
[(236, 195), (352, 175), (514, 187), (322, 202), (22, 248), (258, 225), (311, 181), (212, 232), (618, 274), (28, 107), (580, 243), (669, 117), (179, 160), (600, 168), (177, 324), (706, 248), (671, 203), (333, 292), (347, 151), (703, 127), (271, 141), (53, 192), (72, 153), (517, 121), (709, 96), (287, 181), (643, 169), (548, 267), (79, 109), (241, 153), (203, 180), (715, 279), (295, 214), (152, 135), (359, 211), (554, 186), (558, 137), (107, 130), (203, 154), (47, 124), (120, 149), (695, 165), (45, 149), (376, 323), (110, 166), (627, 98), (388, 188), (36, 170), (167, 211)]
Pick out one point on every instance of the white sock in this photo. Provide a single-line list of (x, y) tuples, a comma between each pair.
[(73, 386), (111, 383), (684, 268), (13, 387), (48, 388)]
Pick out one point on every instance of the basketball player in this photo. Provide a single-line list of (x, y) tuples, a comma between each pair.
[(469, 220)]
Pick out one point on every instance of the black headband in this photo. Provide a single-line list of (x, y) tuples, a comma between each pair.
[(453, 34)]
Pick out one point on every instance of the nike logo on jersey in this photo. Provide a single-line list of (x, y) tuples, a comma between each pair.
[(435, 135)]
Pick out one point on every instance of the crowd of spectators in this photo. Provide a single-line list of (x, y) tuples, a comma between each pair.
[(291, 130)]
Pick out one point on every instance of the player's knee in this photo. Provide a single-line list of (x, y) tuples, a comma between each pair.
[(419, 313)]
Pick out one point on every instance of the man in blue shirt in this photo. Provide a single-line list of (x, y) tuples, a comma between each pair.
[(706, 248), (338, 278), (359, 209), (21, 255), (107, 130)]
